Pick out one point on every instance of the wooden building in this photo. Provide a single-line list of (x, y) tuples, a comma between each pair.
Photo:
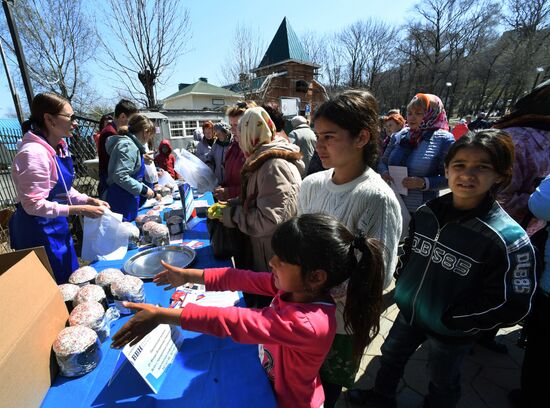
[(285, 72)]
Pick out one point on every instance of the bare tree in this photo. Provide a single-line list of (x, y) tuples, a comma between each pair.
[(529, 21), (148, 37), (442, 28), (58, 41), (352, 39), (247, 49), (367, 50), (381, 39), (335, 68), (528, 16), (315, 45)]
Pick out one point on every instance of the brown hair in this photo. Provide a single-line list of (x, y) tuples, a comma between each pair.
[(125, 106), (137, 123), (275, 114), (499, 146), (47, 102), (208, 125), (239, 108), (355, 110), (396, 117)]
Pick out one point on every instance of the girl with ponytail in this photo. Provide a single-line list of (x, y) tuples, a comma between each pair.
[(313, 254)]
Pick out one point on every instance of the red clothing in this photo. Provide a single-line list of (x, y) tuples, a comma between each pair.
[(296, 337), (460, 130), (166, 161), (102, 154), (234, 161), (96, 140)]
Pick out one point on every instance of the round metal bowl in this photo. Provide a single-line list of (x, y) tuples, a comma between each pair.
[(146, 264)]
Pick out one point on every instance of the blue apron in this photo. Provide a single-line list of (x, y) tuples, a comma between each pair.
[(121, 201), (27, 231)]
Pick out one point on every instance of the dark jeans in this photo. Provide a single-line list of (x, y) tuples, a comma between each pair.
[(535, 372), (445, 360)]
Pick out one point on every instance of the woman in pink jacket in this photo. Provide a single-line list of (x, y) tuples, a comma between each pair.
[(43, 174)]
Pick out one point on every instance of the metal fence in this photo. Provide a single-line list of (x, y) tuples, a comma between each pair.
[(82, 148)]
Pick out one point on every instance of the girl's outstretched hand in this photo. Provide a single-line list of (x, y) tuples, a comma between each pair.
[(174, 276), (143, 322)]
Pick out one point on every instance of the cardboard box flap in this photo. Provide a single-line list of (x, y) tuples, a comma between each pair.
[(26, 288), (11, 258), (33, 313)]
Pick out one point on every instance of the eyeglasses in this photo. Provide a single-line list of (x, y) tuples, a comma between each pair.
[(72, 117), (241, 105)]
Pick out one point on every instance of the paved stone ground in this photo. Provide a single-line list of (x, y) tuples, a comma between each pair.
[(486, 376)]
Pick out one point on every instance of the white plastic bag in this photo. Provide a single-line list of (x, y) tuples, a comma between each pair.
[(151, 175), (194, 171), (104, 238), (165, 178)]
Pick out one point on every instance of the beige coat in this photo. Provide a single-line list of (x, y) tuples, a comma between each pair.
[(271, 180)]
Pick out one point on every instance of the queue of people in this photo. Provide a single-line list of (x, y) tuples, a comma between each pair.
[(322, 248)]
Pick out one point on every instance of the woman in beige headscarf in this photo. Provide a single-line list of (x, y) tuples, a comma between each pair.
[(271, 178)]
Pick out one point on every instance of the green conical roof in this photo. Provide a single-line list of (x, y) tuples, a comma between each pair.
[(284, 46)]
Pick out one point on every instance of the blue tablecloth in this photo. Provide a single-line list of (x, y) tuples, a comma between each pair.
[(208, 371)]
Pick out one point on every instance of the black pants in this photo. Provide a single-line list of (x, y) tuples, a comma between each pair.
[(332, 393), (535, 372)]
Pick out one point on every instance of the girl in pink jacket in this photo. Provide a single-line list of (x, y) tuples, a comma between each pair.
[(313, 253)]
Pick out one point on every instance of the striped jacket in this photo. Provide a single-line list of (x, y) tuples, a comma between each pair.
[(472, 273)]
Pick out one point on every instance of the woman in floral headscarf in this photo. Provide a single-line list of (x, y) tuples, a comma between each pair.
[(271, 178), (420, 147)]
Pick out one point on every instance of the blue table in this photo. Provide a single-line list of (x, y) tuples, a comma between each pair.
[(208, 371)]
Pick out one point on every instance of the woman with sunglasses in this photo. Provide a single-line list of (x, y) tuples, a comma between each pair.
[(43, 173)]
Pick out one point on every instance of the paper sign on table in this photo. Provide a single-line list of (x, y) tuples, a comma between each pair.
[(196, 293), (398, 173), (153, 355)]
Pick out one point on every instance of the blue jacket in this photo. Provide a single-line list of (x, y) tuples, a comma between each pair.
[(539, 204), (460, 274), (426, 160), (125, 153)]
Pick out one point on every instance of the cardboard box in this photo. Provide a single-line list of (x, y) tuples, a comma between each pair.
[(32, 314)]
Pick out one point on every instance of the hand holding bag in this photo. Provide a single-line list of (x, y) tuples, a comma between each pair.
[(104, 238)]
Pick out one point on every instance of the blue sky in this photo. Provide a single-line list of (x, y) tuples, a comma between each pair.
[(213, 24)]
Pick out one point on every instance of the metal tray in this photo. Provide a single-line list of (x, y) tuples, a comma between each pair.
[(146, 264)]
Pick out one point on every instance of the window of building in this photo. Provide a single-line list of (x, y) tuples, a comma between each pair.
[(190, 126), (302, 86), (176, 129), (181, 129), (218, 102)]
